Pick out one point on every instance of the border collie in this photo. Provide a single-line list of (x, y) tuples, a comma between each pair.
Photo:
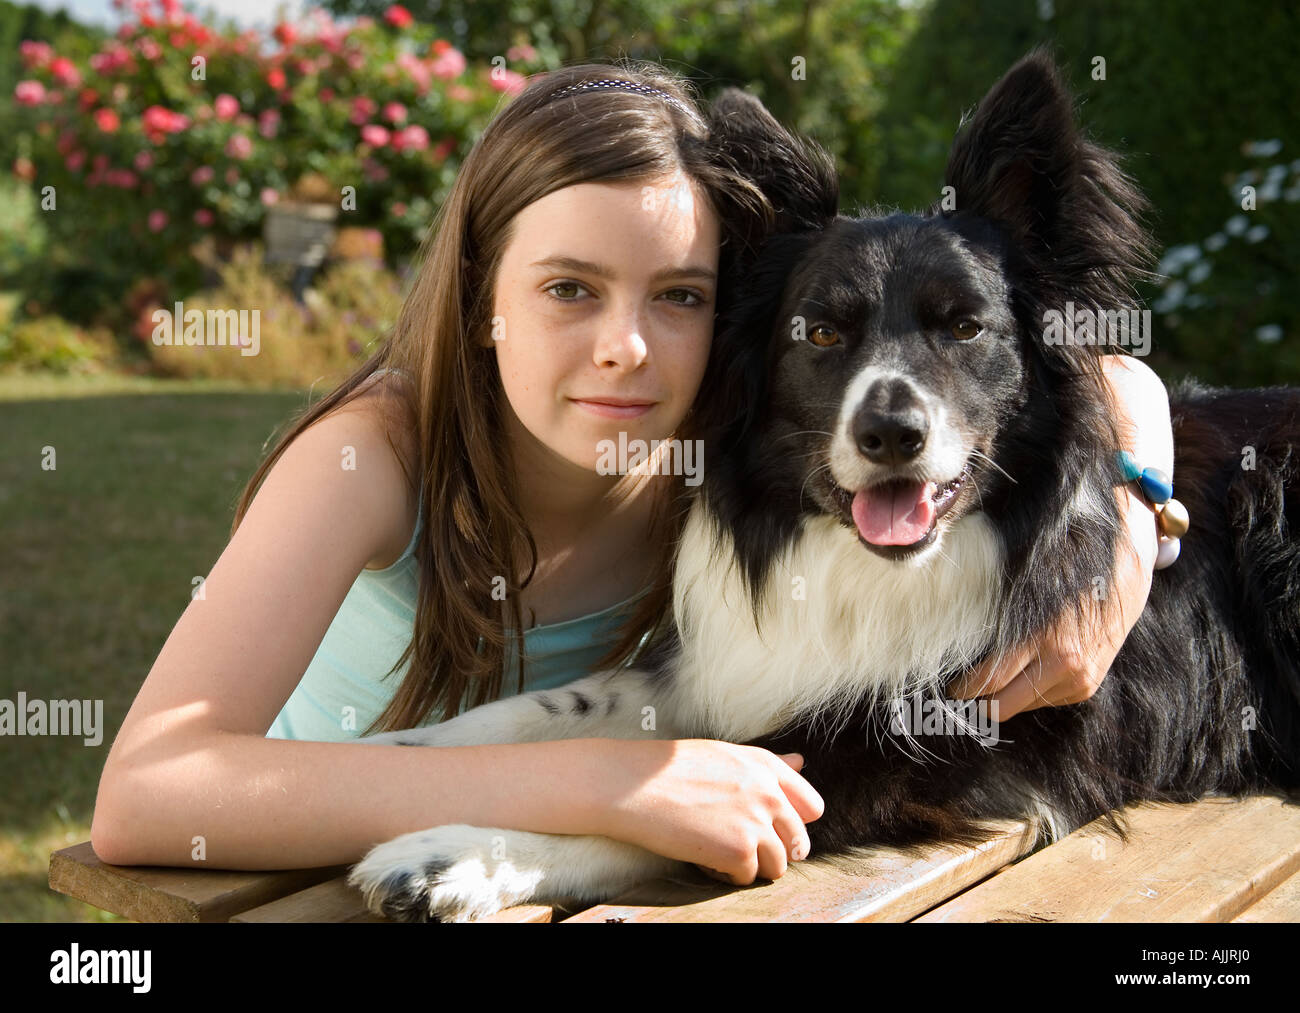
[(910, 476)]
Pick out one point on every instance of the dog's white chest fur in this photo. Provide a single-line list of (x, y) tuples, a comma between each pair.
[(839, 623)]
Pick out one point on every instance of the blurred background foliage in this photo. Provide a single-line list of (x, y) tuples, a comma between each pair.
[(1199, 98)]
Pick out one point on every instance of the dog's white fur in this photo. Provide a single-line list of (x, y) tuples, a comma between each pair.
[(838, 623)]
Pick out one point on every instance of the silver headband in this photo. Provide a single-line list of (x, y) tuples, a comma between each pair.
[(610, 82)]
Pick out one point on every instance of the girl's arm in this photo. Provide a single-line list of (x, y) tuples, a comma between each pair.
[(191, 761)]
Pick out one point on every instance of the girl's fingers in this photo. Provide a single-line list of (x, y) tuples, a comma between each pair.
[(772, 857)]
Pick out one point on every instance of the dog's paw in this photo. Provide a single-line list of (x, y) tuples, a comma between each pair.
[(447, 873)]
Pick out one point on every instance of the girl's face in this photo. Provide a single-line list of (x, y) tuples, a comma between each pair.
[(606, 293)]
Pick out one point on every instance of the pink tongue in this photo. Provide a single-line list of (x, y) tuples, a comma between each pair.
[(899, 513)]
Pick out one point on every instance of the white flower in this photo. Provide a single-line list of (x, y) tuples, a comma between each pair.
[(1198, 274), (1268, 333), (1216, 242), (1262, 149), (1236, 225), (1257, 233)]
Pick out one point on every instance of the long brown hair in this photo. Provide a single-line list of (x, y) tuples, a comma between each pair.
[(533, 146)]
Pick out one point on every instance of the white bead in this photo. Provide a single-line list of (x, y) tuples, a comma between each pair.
[(1167, 552)]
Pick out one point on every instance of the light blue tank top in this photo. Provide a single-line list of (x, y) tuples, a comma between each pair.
[(343, 689)]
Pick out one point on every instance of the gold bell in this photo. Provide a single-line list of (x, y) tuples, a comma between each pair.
[(1172, 519)]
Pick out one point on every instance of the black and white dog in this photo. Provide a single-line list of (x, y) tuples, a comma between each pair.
[(909, 475)]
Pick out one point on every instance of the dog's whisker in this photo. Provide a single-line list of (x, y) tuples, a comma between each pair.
[(985, 457)]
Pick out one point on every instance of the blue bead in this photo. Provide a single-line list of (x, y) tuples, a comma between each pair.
[(1155, 485), (1128, 466)]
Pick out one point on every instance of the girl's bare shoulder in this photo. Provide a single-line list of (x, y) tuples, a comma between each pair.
[(384, 410)]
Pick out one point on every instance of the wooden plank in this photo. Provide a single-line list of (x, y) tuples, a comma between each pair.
[(146, 893), (1281, 904), (335, 901), (882, 885), (1202, 862), (331, 901)]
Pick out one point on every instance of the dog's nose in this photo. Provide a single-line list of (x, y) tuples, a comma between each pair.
[(890, 426)]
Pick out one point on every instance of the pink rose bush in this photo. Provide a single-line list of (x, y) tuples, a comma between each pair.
[(380, 104)]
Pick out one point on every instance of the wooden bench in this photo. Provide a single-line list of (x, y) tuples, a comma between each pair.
[(1217, 860)]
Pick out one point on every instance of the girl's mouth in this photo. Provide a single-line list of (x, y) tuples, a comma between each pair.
[(612, 410)]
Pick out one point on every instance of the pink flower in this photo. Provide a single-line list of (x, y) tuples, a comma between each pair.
[(276, 78), (226, 106), (449, 65), (157, 220), (25, 168), (269, 196), (459, 93), (375, 172), (113, 57), (149, 49), (268, 123), (524, 53), (285, 34), (203, 174), (35, 54), (232, 176), (239, 146), (327, 94), (29, 93), (398, 16), (143, 161), (509, 82), (444, 148), (75, 161), (414, 138), (395, 112), (158, 120), (204, 217), (64, 72), (399, 209), (374, 135), (124, 178), (362, 109)]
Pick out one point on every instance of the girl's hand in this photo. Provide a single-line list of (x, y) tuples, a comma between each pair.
[(1069, 661), (736, 812)]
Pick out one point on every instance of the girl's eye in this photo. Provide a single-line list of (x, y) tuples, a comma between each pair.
[(564, 284), (687, 292)]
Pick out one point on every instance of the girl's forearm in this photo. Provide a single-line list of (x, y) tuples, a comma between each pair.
[(260, 803), (1142, 418)]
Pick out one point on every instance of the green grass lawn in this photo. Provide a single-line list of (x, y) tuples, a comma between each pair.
[(98, 559)]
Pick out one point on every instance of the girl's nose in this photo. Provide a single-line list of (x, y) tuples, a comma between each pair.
[(621, 342)]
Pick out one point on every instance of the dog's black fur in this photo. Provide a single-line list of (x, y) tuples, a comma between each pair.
[(1204, 697)]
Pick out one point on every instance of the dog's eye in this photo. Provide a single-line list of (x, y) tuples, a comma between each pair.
[(965, 329), (823, 336)]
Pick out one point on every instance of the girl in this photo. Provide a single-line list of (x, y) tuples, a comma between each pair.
[(567, 292)]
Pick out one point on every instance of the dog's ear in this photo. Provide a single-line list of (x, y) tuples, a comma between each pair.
[(795, 174), (734, 387), (1022, 161)]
